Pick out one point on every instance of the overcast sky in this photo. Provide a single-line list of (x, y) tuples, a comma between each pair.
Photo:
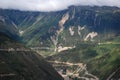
[(52, 5)]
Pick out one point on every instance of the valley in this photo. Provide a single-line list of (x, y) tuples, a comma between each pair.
[(81, 43), (71, 71)]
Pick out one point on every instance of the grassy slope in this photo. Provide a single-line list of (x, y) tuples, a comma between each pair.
[(101, 60)]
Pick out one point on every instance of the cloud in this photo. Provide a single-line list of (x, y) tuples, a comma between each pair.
[(52, 5)]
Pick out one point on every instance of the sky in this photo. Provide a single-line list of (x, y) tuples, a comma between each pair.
[(53, 5)]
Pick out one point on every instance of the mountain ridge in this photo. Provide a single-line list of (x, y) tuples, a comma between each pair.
[(19, 62)]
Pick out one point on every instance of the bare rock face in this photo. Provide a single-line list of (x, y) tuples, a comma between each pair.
[(68, 27), (61, 23)]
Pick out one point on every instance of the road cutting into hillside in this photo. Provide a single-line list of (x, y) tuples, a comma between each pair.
[(75, 73)]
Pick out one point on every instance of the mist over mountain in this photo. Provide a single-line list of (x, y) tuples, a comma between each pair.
[(67, 28), (53, 5), (81, 40)]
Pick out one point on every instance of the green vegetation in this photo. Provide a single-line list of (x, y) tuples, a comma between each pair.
[(101, 55), (101, 60)]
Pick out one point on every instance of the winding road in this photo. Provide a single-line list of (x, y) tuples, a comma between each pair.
[(74, 74)]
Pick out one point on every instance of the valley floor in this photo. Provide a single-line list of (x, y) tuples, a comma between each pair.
[(66, 71)]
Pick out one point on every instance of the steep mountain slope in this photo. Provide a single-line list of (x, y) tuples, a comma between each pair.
[(19, 63), (8, 27), (66, 28)]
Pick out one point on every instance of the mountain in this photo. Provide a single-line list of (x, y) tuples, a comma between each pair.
[(20, 63), (67, 28), (82, 38)]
